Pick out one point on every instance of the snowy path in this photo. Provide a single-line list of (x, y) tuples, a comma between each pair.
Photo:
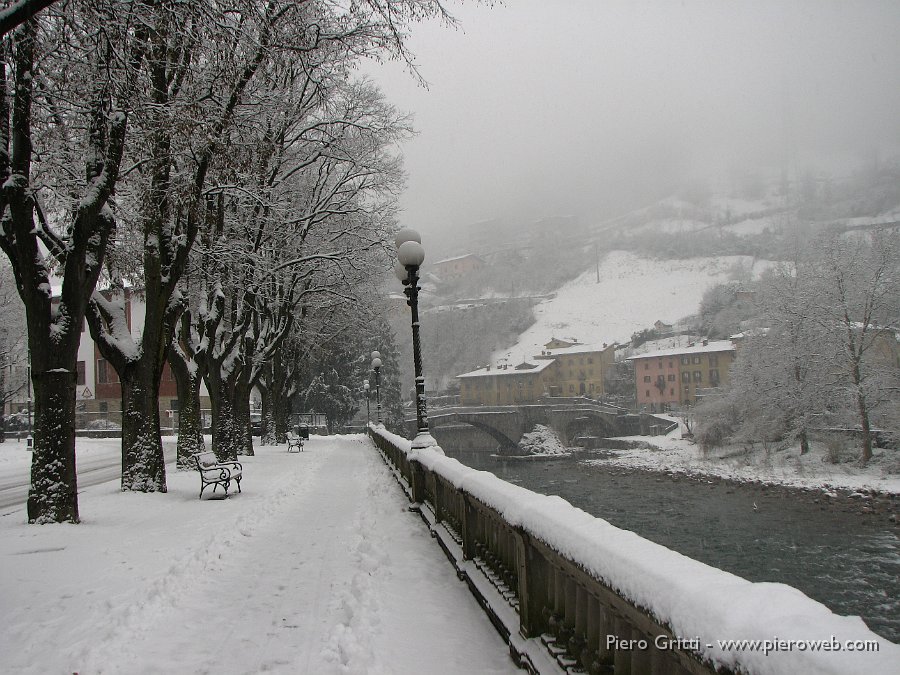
[(317, 568)]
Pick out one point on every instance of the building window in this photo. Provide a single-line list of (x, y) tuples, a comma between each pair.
[(647, 393), (106, 374), (647, 366), (660, 364), (79, 373), (685, 376), (698, 376), (572, 388), (696, 359), (685, 360), (646, 378), (714, 376), (671, 363), (713, 360)]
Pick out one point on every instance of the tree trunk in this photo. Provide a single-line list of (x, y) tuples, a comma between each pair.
[(190, 417), (268, 418), (226, 437), (804, 442), (863, 408), (241, 405), (143, 462), (53, 495), (282, 411)]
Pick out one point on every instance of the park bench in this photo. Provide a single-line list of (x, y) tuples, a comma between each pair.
[(216, 473), (295, 441)]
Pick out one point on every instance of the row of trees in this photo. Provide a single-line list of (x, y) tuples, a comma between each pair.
[(827, 356), (219, 158)]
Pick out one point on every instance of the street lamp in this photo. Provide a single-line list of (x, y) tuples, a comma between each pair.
[(376, 366), (366, 389), (410, 256)]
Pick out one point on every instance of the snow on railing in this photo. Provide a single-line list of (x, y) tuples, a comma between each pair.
[(569, 590)]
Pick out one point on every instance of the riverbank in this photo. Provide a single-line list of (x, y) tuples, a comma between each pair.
[(823, 469)]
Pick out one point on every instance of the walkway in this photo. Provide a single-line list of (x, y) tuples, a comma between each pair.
[(318, 567)]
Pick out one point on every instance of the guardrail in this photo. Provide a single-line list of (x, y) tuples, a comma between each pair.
[(571, 593)]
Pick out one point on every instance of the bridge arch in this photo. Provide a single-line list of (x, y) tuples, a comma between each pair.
[(597, 424), (506, 443)]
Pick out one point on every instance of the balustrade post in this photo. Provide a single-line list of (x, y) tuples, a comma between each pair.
[(622, 657), (532, 573), (437, 487), (469, 528), (417, 482), (606, 625), (579, 639)]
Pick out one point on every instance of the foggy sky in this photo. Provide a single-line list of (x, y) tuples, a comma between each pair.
[(593, 107)]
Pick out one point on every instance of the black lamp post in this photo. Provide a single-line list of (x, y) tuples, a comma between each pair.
[(376, 366), (366, 390), (410, 256)]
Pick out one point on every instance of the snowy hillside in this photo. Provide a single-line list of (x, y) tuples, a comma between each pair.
[(632, 294)]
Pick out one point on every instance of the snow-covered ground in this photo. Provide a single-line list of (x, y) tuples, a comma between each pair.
[(757, 464), (318, 567), (632, 294)]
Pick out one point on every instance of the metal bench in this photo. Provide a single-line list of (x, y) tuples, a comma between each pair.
[(216, 473), (294, 441)]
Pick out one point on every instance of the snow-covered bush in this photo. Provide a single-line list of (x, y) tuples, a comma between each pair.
[(542, 441)]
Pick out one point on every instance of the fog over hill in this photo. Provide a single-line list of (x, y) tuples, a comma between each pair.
[(632, 293), (603, 281)]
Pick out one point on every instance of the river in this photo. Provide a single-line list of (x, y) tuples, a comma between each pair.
[(827, 547)]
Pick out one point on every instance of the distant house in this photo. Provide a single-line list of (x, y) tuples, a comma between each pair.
[(450, 269), (578, 369), (98, 391), (563, 368), (674, 376), (558, 343), (502, 385), (663, 329)]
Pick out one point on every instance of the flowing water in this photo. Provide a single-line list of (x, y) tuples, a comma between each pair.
[(829, 548)]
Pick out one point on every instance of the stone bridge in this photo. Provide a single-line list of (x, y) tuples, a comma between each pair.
[(578, 417)]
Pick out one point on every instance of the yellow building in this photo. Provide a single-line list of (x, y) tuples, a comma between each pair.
[(563, 368), (578, 369), (673, 376), (504, 385)]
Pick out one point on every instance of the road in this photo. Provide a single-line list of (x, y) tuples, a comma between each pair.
[(102, 463)]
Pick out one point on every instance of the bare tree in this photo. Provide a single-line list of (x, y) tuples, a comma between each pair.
[(56, 216), (19, 12), (858, 307), (207, 76)]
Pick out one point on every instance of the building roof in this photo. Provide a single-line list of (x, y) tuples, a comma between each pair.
[(531, 368), (697, 348), (459, 257), (576, 349)]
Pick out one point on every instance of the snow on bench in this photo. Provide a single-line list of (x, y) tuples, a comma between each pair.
[(294, 442), (216, 473)]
